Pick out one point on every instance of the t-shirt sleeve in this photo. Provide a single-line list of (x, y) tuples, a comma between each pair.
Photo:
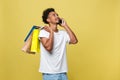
[(67, 38), (43, 33)]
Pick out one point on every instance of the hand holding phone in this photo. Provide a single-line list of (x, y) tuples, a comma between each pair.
[(62, 22)]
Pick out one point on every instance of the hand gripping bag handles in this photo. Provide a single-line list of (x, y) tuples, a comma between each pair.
[(32, 43)]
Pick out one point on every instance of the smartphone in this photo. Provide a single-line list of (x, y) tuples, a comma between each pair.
[(60, 21)]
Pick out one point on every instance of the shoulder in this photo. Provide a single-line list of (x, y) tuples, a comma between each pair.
[(62, 31), (44, 31)]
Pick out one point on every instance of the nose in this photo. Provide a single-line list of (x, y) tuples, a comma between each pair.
[(56, 15)]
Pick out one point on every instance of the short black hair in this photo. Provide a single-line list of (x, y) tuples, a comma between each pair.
[(46, 13)]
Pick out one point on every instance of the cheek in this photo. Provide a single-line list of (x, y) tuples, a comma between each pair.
[(53, 19)]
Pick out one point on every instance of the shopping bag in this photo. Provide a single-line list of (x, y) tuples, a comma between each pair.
[(27, 45), (35, 46), (31, 42), (34, 27)]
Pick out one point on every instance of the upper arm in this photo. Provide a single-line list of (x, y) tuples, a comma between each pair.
[(45, 43), (44, 38), (68, 39)]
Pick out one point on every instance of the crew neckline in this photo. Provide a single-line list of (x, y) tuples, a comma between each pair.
[(56, 32)]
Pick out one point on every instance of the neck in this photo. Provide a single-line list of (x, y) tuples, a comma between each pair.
[(53, 27)]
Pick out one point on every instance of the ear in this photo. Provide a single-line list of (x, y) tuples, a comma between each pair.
[(48, 20)]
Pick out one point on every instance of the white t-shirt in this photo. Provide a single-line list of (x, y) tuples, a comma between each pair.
[(54, 62)]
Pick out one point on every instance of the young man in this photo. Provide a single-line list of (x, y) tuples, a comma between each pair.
[(53, 64)]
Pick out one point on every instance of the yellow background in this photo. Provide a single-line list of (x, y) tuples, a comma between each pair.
[(96, 23)]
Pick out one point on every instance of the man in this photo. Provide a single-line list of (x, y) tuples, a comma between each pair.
[(53, 62)]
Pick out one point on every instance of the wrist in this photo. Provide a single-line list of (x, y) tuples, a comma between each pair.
[(66, 26), (51, 32)]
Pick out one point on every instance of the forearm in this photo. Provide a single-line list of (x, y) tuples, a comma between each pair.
[(71, 34)]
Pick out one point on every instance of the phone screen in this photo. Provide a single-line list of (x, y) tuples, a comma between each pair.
[(60, 21)]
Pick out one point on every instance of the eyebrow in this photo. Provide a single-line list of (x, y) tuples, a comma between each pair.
[(54, 13)]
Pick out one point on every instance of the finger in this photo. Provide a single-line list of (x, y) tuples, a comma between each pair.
[(62, 21), (45, 26)]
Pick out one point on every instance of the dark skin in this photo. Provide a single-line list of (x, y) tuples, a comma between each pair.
[(53, 19)]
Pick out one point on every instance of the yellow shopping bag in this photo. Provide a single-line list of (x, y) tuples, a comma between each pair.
[(35, 46)]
